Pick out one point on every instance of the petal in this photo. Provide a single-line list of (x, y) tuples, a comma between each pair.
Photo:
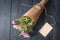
[(14, 25), (13, 22), (26, 35)]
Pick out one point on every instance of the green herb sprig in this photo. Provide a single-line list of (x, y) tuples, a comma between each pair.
[(26, 24)]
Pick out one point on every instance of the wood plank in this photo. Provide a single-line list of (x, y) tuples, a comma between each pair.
[(4, 19), (56, 32)]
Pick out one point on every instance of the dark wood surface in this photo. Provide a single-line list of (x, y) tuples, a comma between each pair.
[(5, 19), (12, 9)]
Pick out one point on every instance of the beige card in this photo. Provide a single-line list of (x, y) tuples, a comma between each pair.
[(45, 29)]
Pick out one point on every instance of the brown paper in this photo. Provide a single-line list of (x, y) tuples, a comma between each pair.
[(35, 11)]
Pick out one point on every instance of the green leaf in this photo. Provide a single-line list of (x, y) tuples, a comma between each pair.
[(25, 23)]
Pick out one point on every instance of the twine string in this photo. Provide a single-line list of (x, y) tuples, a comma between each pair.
[(50, 16)]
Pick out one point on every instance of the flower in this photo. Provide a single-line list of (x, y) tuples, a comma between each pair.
[(15, 26), (26, 35)]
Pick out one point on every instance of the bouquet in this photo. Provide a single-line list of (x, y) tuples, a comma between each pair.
[(26, 22)]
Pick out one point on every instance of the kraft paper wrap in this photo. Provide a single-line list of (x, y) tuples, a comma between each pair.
[(35, 11)]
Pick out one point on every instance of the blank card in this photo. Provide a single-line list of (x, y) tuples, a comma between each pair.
[(45, 29)]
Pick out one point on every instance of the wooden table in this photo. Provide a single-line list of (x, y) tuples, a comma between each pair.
[(12, 9)]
